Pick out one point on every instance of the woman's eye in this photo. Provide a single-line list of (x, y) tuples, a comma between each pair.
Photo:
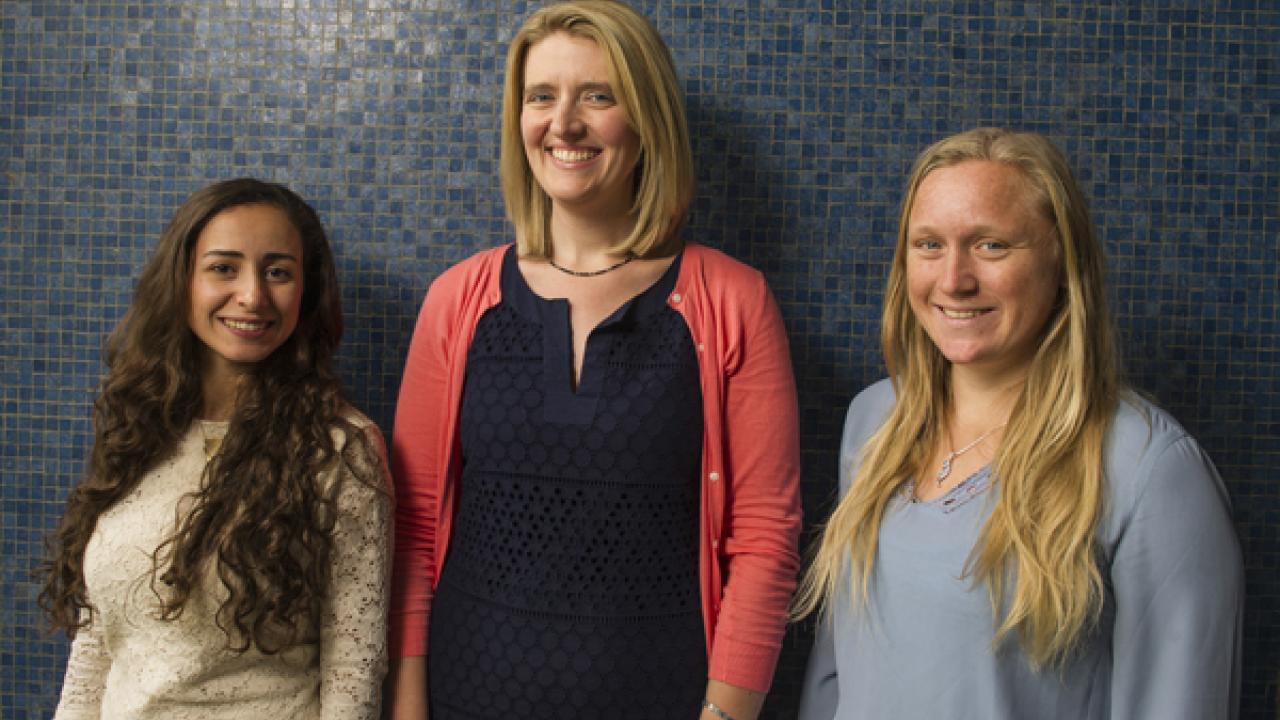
[(926, 245), (279, 274), (992, 246), (535, 98), (221, 269), (598, 97)]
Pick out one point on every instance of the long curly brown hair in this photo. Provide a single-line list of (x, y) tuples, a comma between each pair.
[(261, 518)]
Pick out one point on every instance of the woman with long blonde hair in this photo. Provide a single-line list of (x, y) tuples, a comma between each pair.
[(1018, 536)]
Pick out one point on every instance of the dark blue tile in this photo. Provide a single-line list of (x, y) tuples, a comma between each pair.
[(805, 117)]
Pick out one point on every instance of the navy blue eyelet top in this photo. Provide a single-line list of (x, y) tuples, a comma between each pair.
[(571, 585)]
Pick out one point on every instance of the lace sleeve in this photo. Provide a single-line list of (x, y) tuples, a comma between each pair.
[(353, 634), (86, 676)]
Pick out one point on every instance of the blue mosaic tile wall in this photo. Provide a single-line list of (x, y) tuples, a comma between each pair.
[(806, 114)]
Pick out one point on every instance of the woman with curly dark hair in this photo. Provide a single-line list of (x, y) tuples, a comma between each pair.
[(226, 553)]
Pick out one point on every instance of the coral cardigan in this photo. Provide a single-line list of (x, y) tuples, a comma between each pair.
[(750, 518)]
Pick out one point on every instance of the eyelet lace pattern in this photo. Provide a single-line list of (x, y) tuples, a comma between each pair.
[(571, 586)]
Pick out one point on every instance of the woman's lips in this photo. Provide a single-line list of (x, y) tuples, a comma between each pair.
[(962, 313), (573, 155), (247, 328)]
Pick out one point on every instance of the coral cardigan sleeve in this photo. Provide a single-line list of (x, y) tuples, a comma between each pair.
[(761, 474), (416, 460)]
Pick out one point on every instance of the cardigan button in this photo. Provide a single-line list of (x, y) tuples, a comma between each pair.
[(675, 297), (714, 476), (702, 347)]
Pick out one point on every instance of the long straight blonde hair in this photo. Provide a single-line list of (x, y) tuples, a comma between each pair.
[(1048, 472)]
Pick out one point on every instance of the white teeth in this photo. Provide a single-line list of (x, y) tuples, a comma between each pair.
[(962, 314), (246, 326), (573, 155)]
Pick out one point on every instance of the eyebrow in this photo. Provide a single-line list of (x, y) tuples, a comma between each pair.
[(271, 256), (973, 231), (581, 88)]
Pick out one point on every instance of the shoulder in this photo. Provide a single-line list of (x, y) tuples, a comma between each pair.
[(355, 417), (478, 268), (1152, 461), (716, 267), (878, 394), (866, 413), (369, 432), (362, 453), (869, 408), (1167, 529), (727, 292), (458, 294), (1140, 433)]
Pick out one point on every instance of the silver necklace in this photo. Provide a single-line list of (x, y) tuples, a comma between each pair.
[(591, 273), (945, 470)]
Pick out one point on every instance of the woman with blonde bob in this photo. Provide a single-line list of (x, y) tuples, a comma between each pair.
[(1019, 535), (596, 446)]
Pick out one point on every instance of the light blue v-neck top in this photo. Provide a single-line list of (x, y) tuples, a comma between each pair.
[(1167, 645)]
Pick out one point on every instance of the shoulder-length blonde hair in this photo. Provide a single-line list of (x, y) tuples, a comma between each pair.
[(1049, 469), (643, 75)]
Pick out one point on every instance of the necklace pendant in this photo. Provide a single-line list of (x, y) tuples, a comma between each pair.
[(945, 470), (211, 446)]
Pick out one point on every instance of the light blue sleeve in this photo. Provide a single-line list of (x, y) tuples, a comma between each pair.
[(820, 692), (1178, 581)]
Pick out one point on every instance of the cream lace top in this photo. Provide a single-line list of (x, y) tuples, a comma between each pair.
[(130, 664)]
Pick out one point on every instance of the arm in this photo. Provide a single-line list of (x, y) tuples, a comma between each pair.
[(820, 691), (416, 443), (762, 521), (86, 677), (1179, 594), (353, 650), (738, 703), (407, 688)]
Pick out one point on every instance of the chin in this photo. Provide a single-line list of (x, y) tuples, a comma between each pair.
[(253, 358), (961, 354), (967, 358)]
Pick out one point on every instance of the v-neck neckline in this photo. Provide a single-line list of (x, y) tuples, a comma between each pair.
[(565, 401)]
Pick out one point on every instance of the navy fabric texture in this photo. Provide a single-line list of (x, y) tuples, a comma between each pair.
[(571, 586)]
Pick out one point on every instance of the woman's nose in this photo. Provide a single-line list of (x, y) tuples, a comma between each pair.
[(957, 273), (250, 293), (565, 119)]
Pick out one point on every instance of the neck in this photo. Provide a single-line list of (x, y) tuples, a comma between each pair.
[(218, 388), (980, 401), (585, 242)]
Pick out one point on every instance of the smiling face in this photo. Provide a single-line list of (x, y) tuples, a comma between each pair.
[(983, 269), (246, 286), (577, 138)]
